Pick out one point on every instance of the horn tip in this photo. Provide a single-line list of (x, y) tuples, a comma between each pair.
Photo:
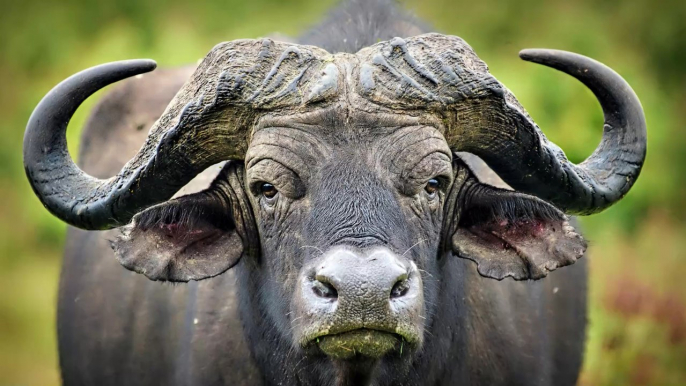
[(533, 54), (145, 65)]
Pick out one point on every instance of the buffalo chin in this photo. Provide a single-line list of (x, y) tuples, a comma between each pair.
[(363, 342)]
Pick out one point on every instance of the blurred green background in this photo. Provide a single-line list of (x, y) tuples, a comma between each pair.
[(637, 332)]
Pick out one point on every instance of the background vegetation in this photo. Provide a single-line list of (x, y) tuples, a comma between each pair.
[(638, 300)]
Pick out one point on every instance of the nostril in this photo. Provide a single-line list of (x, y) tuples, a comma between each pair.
[(324, 290), (400, 288)]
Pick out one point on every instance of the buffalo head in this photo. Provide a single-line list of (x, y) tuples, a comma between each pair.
[(344, 189)]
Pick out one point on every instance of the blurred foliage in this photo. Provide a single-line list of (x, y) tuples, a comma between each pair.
[(637, 314)]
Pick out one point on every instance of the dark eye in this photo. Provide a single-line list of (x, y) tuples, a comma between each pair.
[(432, 187), (268, 190)]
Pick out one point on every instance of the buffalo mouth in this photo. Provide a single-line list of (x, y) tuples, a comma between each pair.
[(361, 342)]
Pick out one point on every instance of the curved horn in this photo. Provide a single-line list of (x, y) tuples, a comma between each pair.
[(54, 177), (608, 174), (440, 73), (207, 122)]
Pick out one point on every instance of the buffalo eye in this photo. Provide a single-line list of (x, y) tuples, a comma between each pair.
[(432, 187), (268, 190)]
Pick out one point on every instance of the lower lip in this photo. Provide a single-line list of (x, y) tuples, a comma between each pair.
[(362, 342)]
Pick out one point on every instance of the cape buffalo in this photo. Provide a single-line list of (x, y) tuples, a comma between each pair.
[(346, 240)]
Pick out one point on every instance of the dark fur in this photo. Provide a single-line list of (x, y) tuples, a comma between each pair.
[(185, 213), (120, 328), (356, 24), (483, 204)]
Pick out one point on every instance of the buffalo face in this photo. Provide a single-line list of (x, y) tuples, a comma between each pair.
[(349, 214)]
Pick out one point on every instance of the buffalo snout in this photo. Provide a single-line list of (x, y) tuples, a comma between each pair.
[(360, 302)]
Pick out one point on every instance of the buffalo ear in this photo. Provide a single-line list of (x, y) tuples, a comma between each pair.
[(512, 234), (193, 237)]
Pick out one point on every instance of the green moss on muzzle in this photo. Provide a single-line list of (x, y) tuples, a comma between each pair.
[(369, 343)]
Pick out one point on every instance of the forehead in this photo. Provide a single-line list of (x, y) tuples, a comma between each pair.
[(342, 124), (346, 136)]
